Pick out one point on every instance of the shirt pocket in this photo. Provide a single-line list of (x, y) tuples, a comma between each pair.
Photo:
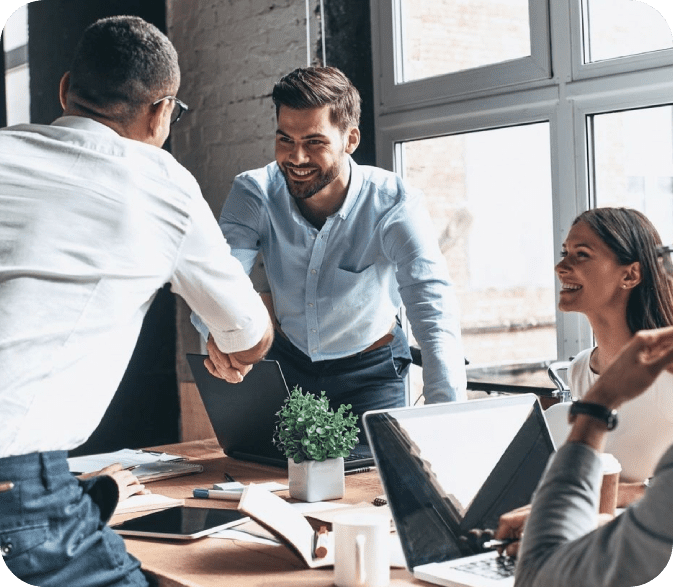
[(353, 290)]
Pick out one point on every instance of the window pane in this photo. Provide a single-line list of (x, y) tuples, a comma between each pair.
[(489, 194), (17, 95), (618, 28), (16, 29), (633, 160), (446, 36)]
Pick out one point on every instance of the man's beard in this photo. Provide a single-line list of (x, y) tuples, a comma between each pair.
[(306, 189)]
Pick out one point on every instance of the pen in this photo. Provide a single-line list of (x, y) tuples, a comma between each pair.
[(498, 543), (321, 543), (233, 495), (359, 470)]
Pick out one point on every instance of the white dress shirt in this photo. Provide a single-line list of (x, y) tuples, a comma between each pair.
[(91, 226)]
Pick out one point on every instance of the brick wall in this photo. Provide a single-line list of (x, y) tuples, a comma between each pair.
[(231, 53)]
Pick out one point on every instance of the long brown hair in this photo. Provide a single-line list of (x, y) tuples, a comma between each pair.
[(632, 237)]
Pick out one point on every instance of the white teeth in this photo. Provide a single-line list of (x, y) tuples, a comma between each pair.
[(570, 286), (302, 173)]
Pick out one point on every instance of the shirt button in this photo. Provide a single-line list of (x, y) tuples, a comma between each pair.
[(314, 350), (6, 548), (313, 330), (310, 305), (313, 271)]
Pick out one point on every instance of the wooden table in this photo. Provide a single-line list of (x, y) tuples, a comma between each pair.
[(213, 562)]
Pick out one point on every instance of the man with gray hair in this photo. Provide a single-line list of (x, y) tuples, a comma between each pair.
[(96, 218)]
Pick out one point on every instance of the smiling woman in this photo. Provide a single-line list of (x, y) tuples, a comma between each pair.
[(611, 272)]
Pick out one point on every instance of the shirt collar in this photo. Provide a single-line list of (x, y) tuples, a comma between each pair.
[(83, 123), (354, 189)]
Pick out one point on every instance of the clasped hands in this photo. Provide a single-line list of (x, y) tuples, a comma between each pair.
[(224, 365)]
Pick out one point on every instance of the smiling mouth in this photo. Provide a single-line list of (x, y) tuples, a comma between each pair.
[(299, 173), (570, 287)]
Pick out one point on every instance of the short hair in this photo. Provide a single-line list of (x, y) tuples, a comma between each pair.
[(122, 62), (631, 236), (314, 87)]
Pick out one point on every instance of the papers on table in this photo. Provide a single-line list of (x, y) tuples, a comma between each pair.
[(126, 457)]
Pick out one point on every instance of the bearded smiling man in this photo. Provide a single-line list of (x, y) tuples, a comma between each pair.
[(344, 246)]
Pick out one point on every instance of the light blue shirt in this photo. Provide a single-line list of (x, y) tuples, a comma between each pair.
[(337, 290)]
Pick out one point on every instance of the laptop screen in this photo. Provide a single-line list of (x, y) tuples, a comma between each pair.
[(450, 468)]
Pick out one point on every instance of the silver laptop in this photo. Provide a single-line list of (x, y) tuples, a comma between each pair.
[(243, 414), (449, 471)]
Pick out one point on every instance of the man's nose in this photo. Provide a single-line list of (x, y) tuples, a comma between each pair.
[(298, 155)]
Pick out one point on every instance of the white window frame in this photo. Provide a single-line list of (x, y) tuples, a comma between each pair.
[(565, 97), (387, 49)]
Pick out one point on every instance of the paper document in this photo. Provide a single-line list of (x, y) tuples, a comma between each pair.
[(126, 457)]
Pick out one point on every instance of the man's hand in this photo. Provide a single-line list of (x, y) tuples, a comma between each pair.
[(224, 365), (233, 367), (511, 525), (127, 482)]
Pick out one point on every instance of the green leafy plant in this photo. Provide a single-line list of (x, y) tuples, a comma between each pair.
[(309, 430)]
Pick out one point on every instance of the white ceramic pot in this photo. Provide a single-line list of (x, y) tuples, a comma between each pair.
[(316, 480)]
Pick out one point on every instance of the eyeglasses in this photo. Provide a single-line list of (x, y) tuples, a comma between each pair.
[(177, 112)]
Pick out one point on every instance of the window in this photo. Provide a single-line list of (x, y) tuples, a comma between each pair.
[(619, 28), (511, 137), (16, 67), (633, 161), (438, 37)]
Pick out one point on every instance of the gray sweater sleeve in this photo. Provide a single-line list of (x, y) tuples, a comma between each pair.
[(561, 545)]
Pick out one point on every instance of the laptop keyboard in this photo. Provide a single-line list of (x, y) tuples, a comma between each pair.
[(500, 567)]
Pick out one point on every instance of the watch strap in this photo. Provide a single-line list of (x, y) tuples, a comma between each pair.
[(598, 411)]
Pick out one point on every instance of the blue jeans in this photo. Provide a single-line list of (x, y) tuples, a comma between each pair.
[(53, 527), (369, 380)]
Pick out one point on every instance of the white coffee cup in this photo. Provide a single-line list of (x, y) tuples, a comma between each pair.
[(361, 550)]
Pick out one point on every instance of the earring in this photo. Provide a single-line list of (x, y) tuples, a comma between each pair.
[(624, 286)]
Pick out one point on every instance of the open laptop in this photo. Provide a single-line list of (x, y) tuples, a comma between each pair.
[(243, 414), (450, 468)]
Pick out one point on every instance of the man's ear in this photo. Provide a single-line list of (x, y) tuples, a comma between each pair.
[(352, 139), (633, 275), (63, 89), (159, 118)]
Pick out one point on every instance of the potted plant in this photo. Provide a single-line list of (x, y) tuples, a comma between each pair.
[(315, 439)]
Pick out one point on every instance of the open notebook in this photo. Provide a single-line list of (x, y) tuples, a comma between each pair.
[(455, 467)]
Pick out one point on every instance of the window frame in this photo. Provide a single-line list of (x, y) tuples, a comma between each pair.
[(567, 98), (395, 95)]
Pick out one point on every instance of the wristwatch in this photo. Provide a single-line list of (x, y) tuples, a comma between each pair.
[(597, 411)]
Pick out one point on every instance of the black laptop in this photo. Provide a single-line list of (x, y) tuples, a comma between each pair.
[(243, 414), (450, 470)]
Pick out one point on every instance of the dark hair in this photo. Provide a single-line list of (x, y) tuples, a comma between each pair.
[(123, 62), (313, 87), (632, 237)]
